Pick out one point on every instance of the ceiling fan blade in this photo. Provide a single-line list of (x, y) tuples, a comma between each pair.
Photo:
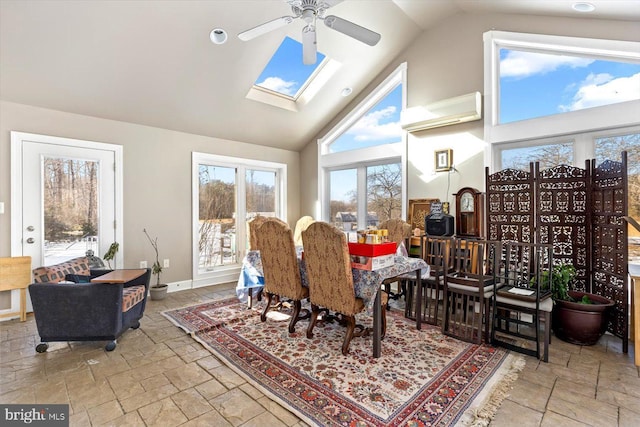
[(309, 46), (352, 30), (265, 28)]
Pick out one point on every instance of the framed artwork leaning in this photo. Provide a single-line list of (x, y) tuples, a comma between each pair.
[(418, 209)]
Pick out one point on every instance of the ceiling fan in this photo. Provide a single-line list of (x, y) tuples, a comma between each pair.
[(310, 11)]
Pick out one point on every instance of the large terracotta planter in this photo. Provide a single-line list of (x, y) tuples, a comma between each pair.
[(581, 324)]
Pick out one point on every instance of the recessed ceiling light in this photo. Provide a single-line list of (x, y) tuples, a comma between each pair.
[(218, 36), (583, 6), (346, 91)]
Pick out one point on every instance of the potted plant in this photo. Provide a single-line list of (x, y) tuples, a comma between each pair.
[(111, 253), (158, 290), (578, 317)]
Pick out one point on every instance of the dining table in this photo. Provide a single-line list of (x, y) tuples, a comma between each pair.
[(367, 285)]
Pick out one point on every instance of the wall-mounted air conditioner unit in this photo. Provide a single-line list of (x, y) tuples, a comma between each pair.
[(464, 108)]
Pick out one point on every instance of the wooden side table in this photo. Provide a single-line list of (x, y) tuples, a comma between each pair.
[(15, 273), (119, 276)]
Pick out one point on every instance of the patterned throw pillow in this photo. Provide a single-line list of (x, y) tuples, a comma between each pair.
[(56, 273)]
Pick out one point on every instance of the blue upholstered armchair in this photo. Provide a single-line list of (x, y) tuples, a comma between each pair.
[(84, 311)]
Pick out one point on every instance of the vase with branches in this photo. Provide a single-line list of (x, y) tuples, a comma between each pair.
[(156, 268)]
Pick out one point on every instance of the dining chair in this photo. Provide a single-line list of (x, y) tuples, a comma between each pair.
[(522, 298), (435, 250), (301, 225), (328, 266), (468, 288), (253, 226), (399, 231), (281, 270)]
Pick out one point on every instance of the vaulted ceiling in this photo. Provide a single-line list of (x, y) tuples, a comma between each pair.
[(152, 63)]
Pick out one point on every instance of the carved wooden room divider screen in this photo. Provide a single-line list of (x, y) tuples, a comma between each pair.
[(610, 237), (563, 217), (579, 211), (510, 205)]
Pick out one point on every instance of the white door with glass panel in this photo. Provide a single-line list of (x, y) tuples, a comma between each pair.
[(64, 198)]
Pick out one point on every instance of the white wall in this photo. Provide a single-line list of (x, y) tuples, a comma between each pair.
[(157, 178), (444, 62)]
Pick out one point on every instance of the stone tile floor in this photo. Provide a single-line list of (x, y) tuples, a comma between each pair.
[(158, 376)]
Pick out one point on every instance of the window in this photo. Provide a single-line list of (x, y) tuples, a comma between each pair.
[(285, 73), (541, 85), (361, 161), (228, 192), (536, 84), (379, 126), (382, 195), (548, 155), (384, 191), (286, 82)]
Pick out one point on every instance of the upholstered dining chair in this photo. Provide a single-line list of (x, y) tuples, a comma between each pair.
[(254, 224), (328, 266), (281, 271), (301, 225), (399, 232), (468, 288)]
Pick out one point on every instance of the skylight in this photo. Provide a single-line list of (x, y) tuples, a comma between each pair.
[(285, 74)]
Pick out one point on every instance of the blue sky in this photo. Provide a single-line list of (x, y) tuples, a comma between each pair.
[(536, 84), (380, 125), (285, 73)]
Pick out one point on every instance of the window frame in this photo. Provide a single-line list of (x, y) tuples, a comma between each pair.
[(364, 157), (226, 273), (597, 118), (584, 144)]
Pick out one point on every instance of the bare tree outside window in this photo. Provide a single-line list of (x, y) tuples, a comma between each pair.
[(384, 191), (70, 208), (216, 244), (548, 156)]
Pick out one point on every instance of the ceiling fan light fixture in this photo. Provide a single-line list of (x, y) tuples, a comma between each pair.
[(309, 47), (583, 6), (218, 36)]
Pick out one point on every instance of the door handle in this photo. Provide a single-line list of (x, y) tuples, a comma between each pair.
[(30, 228), (31, 240)]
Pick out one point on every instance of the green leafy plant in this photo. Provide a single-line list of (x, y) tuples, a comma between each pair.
[(561, 276), (156, 268), (111, 253)]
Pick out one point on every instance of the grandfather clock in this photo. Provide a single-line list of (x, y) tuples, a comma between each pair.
[(469, 213)]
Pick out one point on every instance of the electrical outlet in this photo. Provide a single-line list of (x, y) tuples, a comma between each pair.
[(165, 263), (143, 264)]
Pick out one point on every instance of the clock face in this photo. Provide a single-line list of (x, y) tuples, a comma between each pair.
[(466, 202)]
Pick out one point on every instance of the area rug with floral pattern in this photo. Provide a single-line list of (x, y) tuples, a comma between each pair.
[(422, 378)]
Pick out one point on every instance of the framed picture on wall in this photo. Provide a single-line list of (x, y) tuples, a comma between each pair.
[(443, 160), (418, 209)]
